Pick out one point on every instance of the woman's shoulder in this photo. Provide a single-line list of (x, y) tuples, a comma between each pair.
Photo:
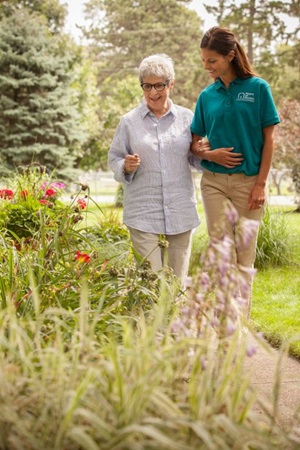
[(182, 110), (255, 81), (211, 86), (133, 113), (208, 90)]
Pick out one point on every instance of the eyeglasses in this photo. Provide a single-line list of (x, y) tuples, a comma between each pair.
[(157, 86)]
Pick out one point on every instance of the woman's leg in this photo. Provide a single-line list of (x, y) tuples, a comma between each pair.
[(179, 252), (219, 189), (146, 244), (250, 221)]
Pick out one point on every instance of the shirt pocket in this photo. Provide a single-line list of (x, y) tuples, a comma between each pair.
[(179, 143)]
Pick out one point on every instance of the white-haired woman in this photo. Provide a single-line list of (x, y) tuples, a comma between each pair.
[(150, 155)]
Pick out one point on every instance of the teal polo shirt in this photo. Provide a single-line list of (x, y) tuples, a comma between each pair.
[(235, 117)]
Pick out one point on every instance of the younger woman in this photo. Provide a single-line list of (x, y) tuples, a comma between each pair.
[(237, 114)]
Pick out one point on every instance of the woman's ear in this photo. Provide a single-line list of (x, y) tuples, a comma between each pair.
[(231, 55), (171, 85)]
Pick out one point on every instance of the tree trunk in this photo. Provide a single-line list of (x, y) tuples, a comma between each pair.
[(250, 30)]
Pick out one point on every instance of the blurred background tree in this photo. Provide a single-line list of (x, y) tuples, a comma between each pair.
[(272, 46), (52, 10), (90, 85)]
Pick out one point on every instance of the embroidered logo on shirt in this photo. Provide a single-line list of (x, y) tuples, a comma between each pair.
[(245, 97)]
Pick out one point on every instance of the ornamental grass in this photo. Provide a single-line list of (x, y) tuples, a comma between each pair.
[(99, 352)]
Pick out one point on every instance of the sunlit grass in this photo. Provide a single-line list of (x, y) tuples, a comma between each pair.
[(276, 293), (276, 305)]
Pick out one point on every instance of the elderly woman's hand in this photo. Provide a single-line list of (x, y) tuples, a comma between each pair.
[(132, 162)]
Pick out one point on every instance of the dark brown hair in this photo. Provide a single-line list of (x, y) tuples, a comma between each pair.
[(222, 41)]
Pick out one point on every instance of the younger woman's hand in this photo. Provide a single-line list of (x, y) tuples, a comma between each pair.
[(225, 157)]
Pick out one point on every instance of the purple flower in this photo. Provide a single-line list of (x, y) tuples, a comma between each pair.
[(203, 361), (230, 328), (220, 296), (188, 282), (199, 298), (250, 350), (232, 214), (246, 233), (224, 281), (223, 267), (204, 280), (215, 322), (211, 256)]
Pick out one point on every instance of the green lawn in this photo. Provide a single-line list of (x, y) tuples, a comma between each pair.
[(276, 295)]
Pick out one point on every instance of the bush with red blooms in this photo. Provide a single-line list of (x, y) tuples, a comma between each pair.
[(32, 199)]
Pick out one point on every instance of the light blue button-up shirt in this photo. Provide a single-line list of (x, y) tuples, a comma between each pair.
[(160, 196)]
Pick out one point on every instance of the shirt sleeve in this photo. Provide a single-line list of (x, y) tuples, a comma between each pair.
[(195, 162), (198, 123), (269, 114), (117, 152)]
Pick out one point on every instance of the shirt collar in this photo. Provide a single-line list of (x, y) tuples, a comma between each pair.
[(220, 85), (145, 110)]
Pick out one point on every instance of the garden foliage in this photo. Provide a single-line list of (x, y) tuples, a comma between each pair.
[(100, 352)]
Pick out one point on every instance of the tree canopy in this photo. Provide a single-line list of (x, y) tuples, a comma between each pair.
[(122, 32), (38, 121), (61, 101), (258, 23), (52, 10)]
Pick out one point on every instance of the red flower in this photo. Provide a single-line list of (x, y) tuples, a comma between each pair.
[(50, 193), (82, 257), (24, 194), (6, 193), (81, 203), (44, 202)]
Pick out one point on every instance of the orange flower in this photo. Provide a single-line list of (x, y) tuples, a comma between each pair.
[(82, 257), (24, 194)]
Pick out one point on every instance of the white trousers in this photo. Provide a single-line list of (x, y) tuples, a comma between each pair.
[(176, 256)]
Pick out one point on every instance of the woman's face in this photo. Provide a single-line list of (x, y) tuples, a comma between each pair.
[(218, 66), (157, 101)]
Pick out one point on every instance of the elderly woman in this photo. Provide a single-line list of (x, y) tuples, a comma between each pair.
[(150, 155)]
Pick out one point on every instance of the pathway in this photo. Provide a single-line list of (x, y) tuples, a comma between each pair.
[(263, 367)]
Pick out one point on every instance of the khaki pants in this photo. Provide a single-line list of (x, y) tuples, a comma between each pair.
[(176, 256), (216, 190)]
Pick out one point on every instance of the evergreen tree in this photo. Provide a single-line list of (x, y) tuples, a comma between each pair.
[(52, 10), (38, 122)]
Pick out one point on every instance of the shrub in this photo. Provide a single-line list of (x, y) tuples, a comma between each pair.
[(274, 240), (34, 206), (199, 246), (119, 196)]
